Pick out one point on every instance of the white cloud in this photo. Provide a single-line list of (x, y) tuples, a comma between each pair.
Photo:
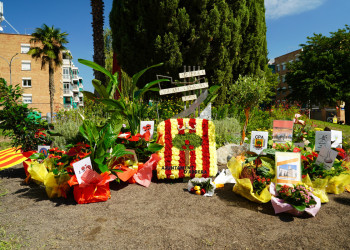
[(279, 8)]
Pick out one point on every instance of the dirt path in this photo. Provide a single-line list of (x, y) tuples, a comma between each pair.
[(163, 216)]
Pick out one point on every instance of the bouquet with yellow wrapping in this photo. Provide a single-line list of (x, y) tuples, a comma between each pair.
[(253, 177), (323, 180), (55, 185)]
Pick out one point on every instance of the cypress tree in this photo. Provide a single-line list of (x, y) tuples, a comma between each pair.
[(212, 34)]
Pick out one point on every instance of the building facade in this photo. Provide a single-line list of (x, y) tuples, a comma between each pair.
[(280, 67), (27, 73)]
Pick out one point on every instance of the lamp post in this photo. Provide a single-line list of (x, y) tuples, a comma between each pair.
[(10, 65)]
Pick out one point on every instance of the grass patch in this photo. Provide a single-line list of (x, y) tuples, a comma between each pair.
[(8, 241), (344, 128)]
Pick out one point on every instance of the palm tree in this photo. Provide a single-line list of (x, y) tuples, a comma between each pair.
[(48, 44), (97, 7)]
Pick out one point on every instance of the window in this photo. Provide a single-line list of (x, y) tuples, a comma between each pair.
[(26, 65), (277, 67), (25, 48), (66, 74), (26, 82), (27, 98), (283, 78), (283, 66)]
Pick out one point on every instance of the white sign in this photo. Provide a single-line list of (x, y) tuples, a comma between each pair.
[(80, 167), (192, 73), (323, 138), (206, 113), (183, 88), (326, 157), (258, 141), (44, 150), (147, 126), (336, 138), (189, 98)]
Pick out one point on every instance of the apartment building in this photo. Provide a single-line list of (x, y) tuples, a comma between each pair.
[(280, 67), (17, 67)]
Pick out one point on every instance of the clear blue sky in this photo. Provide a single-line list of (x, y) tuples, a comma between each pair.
[(289, 22)]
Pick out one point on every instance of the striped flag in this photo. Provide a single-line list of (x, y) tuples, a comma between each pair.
[(10, 157)]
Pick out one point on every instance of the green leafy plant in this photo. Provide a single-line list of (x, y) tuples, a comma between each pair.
[(102, 141), (131, 110), (25, 131)]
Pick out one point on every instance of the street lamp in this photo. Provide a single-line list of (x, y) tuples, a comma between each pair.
[(10, 65)]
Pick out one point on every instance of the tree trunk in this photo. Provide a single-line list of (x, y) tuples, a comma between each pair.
[(97, 7), (246, 113), (51, 88)]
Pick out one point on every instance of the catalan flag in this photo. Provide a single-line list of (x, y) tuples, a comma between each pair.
[(10, 157)]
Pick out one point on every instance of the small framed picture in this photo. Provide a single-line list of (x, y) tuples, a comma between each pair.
[(288, 168)]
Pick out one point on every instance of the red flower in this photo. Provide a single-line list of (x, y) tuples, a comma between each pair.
[(295, 150), (303, 176), (187, 142), (315, 154), (134, 138), (191, 147), (53, 149), (184, 147), (303, 158)]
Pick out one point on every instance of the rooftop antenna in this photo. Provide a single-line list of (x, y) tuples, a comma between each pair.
[(2, 18)]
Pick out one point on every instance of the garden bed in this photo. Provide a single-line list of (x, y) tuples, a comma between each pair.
[(164, 216)]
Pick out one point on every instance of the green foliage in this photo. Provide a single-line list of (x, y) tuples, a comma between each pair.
[(227, 131), (14, 121), (103, 144), (321, 76), (227, 38), (248, 91), (48, 45), (67, 122), (130, 110)]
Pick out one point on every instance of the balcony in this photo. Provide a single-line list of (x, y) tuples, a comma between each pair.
[(67, 92), (76, 99), (66, 62), (75, 88), (81, 94), (81, 104)]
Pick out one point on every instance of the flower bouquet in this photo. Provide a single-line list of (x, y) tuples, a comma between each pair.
[(296, 200), (54, 171), (325, 181), (253, 177), (201, 186), (94, 187)]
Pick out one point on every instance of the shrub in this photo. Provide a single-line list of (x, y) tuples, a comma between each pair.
[(227, 131)]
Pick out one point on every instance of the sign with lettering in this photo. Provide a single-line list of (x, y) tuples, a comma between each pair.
[(192, 74), (258, 141), (189, 98), (323, 138), (193, 107), (183, 88)]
